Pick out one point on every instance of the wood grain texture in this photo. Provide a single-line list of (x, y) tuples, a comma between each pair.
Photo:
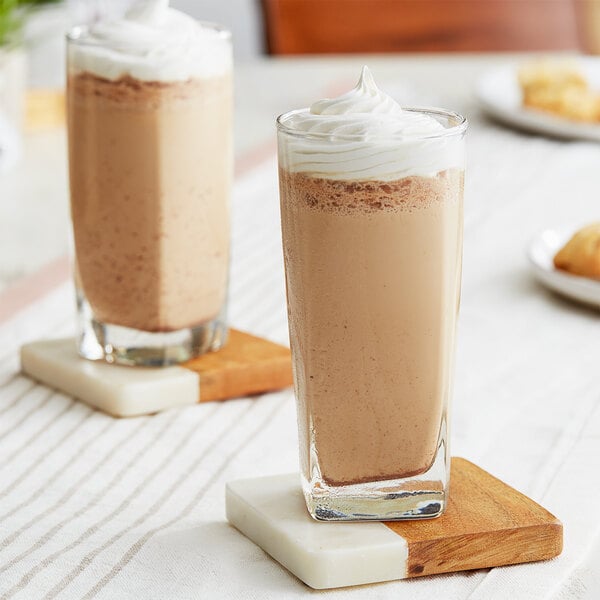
[(247, 365), (486, 524), (353, 26)]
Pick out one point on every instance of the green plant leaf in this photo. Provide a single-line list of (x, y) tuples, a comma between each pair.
[(11, 21), (12, 16)]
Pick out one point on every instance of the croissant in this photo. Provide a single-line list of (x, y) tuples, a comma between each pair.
[(581, 254)]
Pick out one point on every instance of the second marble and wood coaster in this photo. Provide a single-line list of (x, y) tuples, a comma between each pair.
[(247, 365)]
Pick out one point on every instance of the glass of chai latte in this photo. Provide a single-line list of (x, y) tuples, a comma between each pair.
[(372, 221), (150, 157)]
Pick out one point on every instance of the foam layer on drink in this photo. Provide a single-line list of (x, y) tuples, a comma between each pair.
[(152, 42), (366, 135)]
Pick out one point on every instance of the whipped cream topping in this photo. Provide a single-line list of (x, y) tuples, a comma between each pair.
[(152, 42), (366, 134)]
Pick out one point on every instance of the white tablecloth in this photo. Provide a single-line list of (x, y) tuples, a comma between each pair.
[(93, 507)]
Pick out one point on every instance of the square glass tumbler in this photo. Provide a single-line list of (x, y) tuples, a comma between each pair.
[(373, 270), (150, 163)]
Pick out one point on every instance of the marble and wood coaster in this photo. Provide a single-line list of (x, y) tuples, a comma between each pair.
[(247, 365), (486, 524)]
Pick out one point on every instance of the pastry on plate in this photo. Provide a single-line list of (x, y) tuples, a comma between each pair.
[(560, 88), (581, 254)]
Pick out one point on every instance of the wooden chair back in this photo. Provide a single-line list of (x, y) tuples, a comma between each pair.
[(365, 26)]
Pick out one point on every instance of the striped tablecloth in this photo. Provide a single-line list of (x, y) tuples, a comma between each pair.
[(95, 507)]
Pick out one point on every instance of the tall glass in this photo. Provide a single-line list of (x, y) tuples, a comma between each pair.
[(150, 164), (373, 272)]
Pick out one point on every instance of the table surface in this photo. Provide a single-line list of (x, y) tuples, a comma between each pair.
[(527, 397)]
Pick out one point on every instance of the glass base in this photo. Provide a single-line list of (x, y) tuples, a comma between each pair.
[(422, 496), (126, 346)]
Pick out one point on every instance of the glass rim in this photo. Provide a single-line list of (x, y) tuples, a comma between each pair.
[(73, 36), (458, 128)]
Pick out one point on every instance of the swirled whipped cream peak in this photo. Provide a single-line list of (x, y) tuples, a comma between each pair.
[(151, 42), (364, 98), (365, 134)]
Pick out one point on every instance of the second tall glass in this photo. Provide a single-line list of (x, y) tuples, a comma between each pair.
[(150, 156)]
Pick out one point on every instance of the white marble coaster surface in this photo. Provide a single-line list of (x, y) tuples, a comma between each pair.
[(118, 390), (272, 513)]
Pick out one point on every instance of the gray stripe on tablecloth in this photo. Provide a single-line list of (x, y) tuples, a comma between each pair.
[(272, 318), (25, 579), (247, 267), (8, 356), (77, 486), (267, 259), (141, 542), (250, 241), (255, 300), (38, 432), (87, 560), (116, 478), (255, 247), (33, 497), (19, 396), (267, 310), (48, 452), (13, 353), (560, 453), (562, 445), (270, 251), (10, 379), (13, 426), (252, 300)]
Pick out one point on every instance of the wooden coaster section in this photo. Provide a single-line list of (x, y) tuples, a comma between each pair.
[(247, 365), (486, 524)]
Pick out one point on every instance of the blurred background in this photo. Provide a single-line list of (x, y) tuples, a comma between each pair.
[(294, 27), (32, 75), (32, 31)]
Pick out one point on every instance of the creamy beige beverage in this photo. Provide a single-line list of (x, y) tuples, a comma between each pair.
[(150, 157), (371, 202), (150, 196), (373, 334)]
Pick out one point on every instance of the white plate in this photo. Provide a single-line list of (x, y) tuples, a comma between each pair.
[(499, 95), (541, 252)]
